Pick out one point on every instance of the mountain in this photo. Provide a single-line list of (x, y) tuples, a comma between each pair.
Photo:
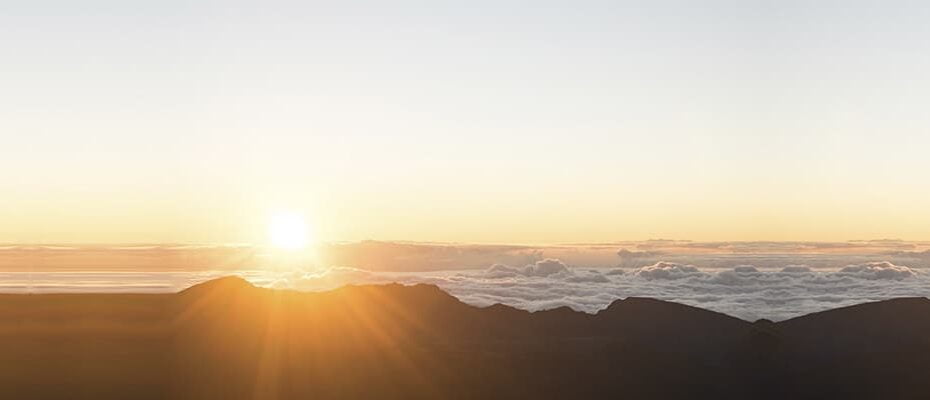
[(226, 339), (867, 351)]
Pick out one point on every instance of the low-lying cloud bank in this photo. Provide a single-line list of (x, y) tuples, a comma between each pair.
[(748, 291), (745, 291), (420, 257)]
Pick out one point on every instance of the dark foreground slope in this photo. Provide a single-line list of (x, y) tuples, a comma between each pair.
[(226, 339)]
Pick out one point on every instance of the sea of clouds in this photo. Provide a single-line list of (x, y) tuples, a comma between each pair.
[(750, 280), (744, 291)]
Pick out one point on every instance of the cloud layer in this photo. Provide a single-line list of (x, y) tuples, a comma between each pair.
[(744, 291), (751, 280)]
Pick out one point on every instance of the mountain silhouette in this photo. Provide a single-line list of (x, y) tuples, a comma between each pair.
[(227, 339)]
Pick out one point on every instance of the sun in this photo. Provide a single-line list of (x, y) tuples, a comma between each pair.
[(289, 231)]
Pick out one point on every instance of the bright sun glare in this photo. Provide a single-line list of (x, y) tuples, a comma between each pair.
[(288, 231)]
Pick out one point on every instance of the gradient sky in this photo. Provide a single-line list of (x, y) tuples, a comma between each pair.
[(479, 121)]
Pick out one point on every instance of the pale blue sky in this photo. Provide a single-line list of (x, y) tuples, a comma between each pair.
[(469, 121)]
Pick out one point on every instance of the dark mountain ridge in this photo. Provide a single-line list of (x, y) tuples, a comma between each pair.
[(226, 339)]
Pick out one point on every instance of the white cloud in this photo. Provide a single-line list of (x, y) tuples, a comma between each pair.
[(744, 291), (878, 270), (545, 267), (501, 271), (589, 276), (667, 270), (584, 277)]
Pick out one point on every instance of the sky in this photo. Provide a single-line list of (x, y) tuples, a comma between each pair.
[(481, 121)]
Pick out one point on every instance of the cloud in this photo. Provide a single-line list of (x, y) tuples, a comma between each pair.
[(632, 258), (667, 270), (910, 256), (549, 267), (624, 253), (878, 270), (545, 267), (327, 279), (410, 257), (421, 257), (502, 271), (745, 291), (584, 277), (615, 271)]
